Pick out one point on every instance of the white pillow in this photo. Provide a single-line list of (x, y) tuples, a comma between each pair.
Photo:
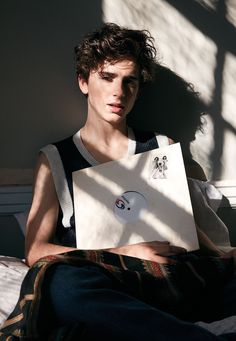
[(12, 273), (227, 325), (205, 200)]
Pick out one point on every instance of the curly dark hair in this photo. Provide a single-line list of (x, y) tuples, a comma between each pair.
[(113, 43)]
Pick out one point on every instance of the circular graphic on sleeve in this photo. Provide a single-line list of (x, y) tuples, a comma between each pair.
[(129, 205)]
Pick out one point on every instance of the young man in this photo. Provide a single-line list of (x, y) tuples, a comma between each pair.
[(116, 293), (112, 65)]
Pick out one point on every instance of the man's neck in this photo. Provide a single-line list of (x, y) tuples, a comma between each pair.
[(104, 132), (105, 142)]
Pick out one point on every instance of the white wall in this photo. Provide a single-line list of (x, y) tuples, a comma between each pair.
[(196, 39)]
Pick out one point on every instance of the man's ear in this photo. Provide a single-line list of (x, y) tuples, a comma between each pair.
[(83, 84)]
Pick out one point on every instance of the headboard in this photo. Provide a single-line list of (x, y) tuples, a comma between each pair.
[(14, 204)]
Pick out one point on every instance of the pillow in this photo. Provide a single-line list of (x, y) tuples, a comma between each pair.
[(12, 273), (205, 201), (227, 325)]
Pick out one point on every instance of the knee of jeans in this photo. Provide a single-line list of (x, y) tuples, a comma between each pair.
[(63, 280), (56, 281)]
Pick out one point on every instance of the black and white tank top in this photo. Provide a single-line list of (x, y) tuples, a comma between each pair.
[(69, 155)]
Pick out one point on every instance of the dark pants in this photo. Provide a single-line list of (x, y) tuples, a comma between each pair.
[(229, 298), (88, 304)]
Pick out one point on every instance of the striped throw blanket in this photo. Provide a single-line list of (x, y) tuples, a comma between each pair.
[(179, 289)]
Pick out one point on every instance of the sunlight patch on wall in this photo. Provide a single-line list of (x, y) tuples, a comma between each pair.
[(231, 11), (181, 46), (229, 155), (229, 91), (209, 4)]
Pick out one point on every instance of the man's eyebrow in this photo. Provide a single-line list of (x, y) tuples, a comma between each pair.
[(107, 73), (113, 75)]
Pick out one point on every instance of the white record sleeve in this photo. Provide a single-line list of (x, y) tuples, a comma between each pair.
[(143, 197)]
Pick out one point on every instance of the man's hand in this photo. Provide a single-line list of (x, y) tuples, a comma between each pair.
[(155, 251), (230, 254)]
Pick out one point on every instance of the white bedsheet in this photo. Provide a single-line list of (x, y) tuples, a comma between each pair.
[(12, 273)]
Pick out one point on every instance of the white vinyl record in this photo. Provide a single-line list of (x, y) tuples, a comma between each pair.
[(129, 206), (143, 197)]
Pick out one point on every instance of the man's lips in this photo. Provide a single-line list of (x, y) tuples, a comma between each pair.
[(116, 107)]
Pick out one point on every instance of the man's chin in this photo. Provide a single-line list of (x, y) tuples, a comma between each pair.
[(115, 119)]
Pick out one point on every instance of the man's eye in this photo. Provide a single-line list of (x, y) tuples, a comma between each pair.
[(132, 81), (106, 78)]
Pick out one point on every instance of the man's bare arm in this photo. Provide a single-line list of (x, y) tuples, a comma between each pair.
[(43, 216)]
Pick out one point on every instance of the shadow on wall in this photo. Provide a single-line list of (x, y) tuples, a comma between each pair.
[(223, 33), (169, 106)]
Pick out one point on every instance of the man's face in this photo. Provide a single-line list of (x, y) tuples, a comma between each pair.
[(111, 90)]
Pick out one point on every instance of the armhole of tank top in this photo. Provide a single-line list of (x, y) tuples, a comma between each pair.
[(162, 140), (60, 182)]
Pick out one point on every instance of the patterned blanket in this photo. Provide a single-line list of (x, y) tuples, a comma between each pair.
[(183, 288)]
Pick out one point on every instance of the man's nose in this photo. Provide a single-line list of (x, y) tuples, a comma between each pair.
[(118, 89)]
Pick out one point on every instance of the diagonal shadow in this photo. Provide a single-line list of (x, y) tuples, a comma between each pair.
[(215, 110), (201, 17)]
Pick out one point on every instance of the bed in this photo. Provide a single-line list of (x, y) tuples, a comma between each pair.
[(14, 205)]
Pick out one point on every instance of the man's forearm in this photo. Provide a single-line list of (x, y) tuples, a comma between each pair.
[(42, 249)]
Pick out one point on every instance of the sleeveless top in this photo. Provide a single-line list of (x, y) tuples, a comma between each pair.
[(70, 155)]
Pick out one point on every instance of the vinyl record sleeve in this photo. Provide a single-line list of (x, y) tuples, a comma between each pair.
[(143, 197)]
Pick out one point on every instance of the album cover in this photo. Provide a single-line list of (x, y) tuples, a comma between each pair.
[(143, 197)]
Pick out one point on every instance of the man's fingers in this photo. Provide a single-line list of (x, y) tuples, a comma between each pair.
[(171, 251), (177, 249), (163, 260)]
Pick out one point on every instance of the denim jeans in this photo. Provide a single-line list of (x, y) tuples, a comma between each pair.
[(88, 304)]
